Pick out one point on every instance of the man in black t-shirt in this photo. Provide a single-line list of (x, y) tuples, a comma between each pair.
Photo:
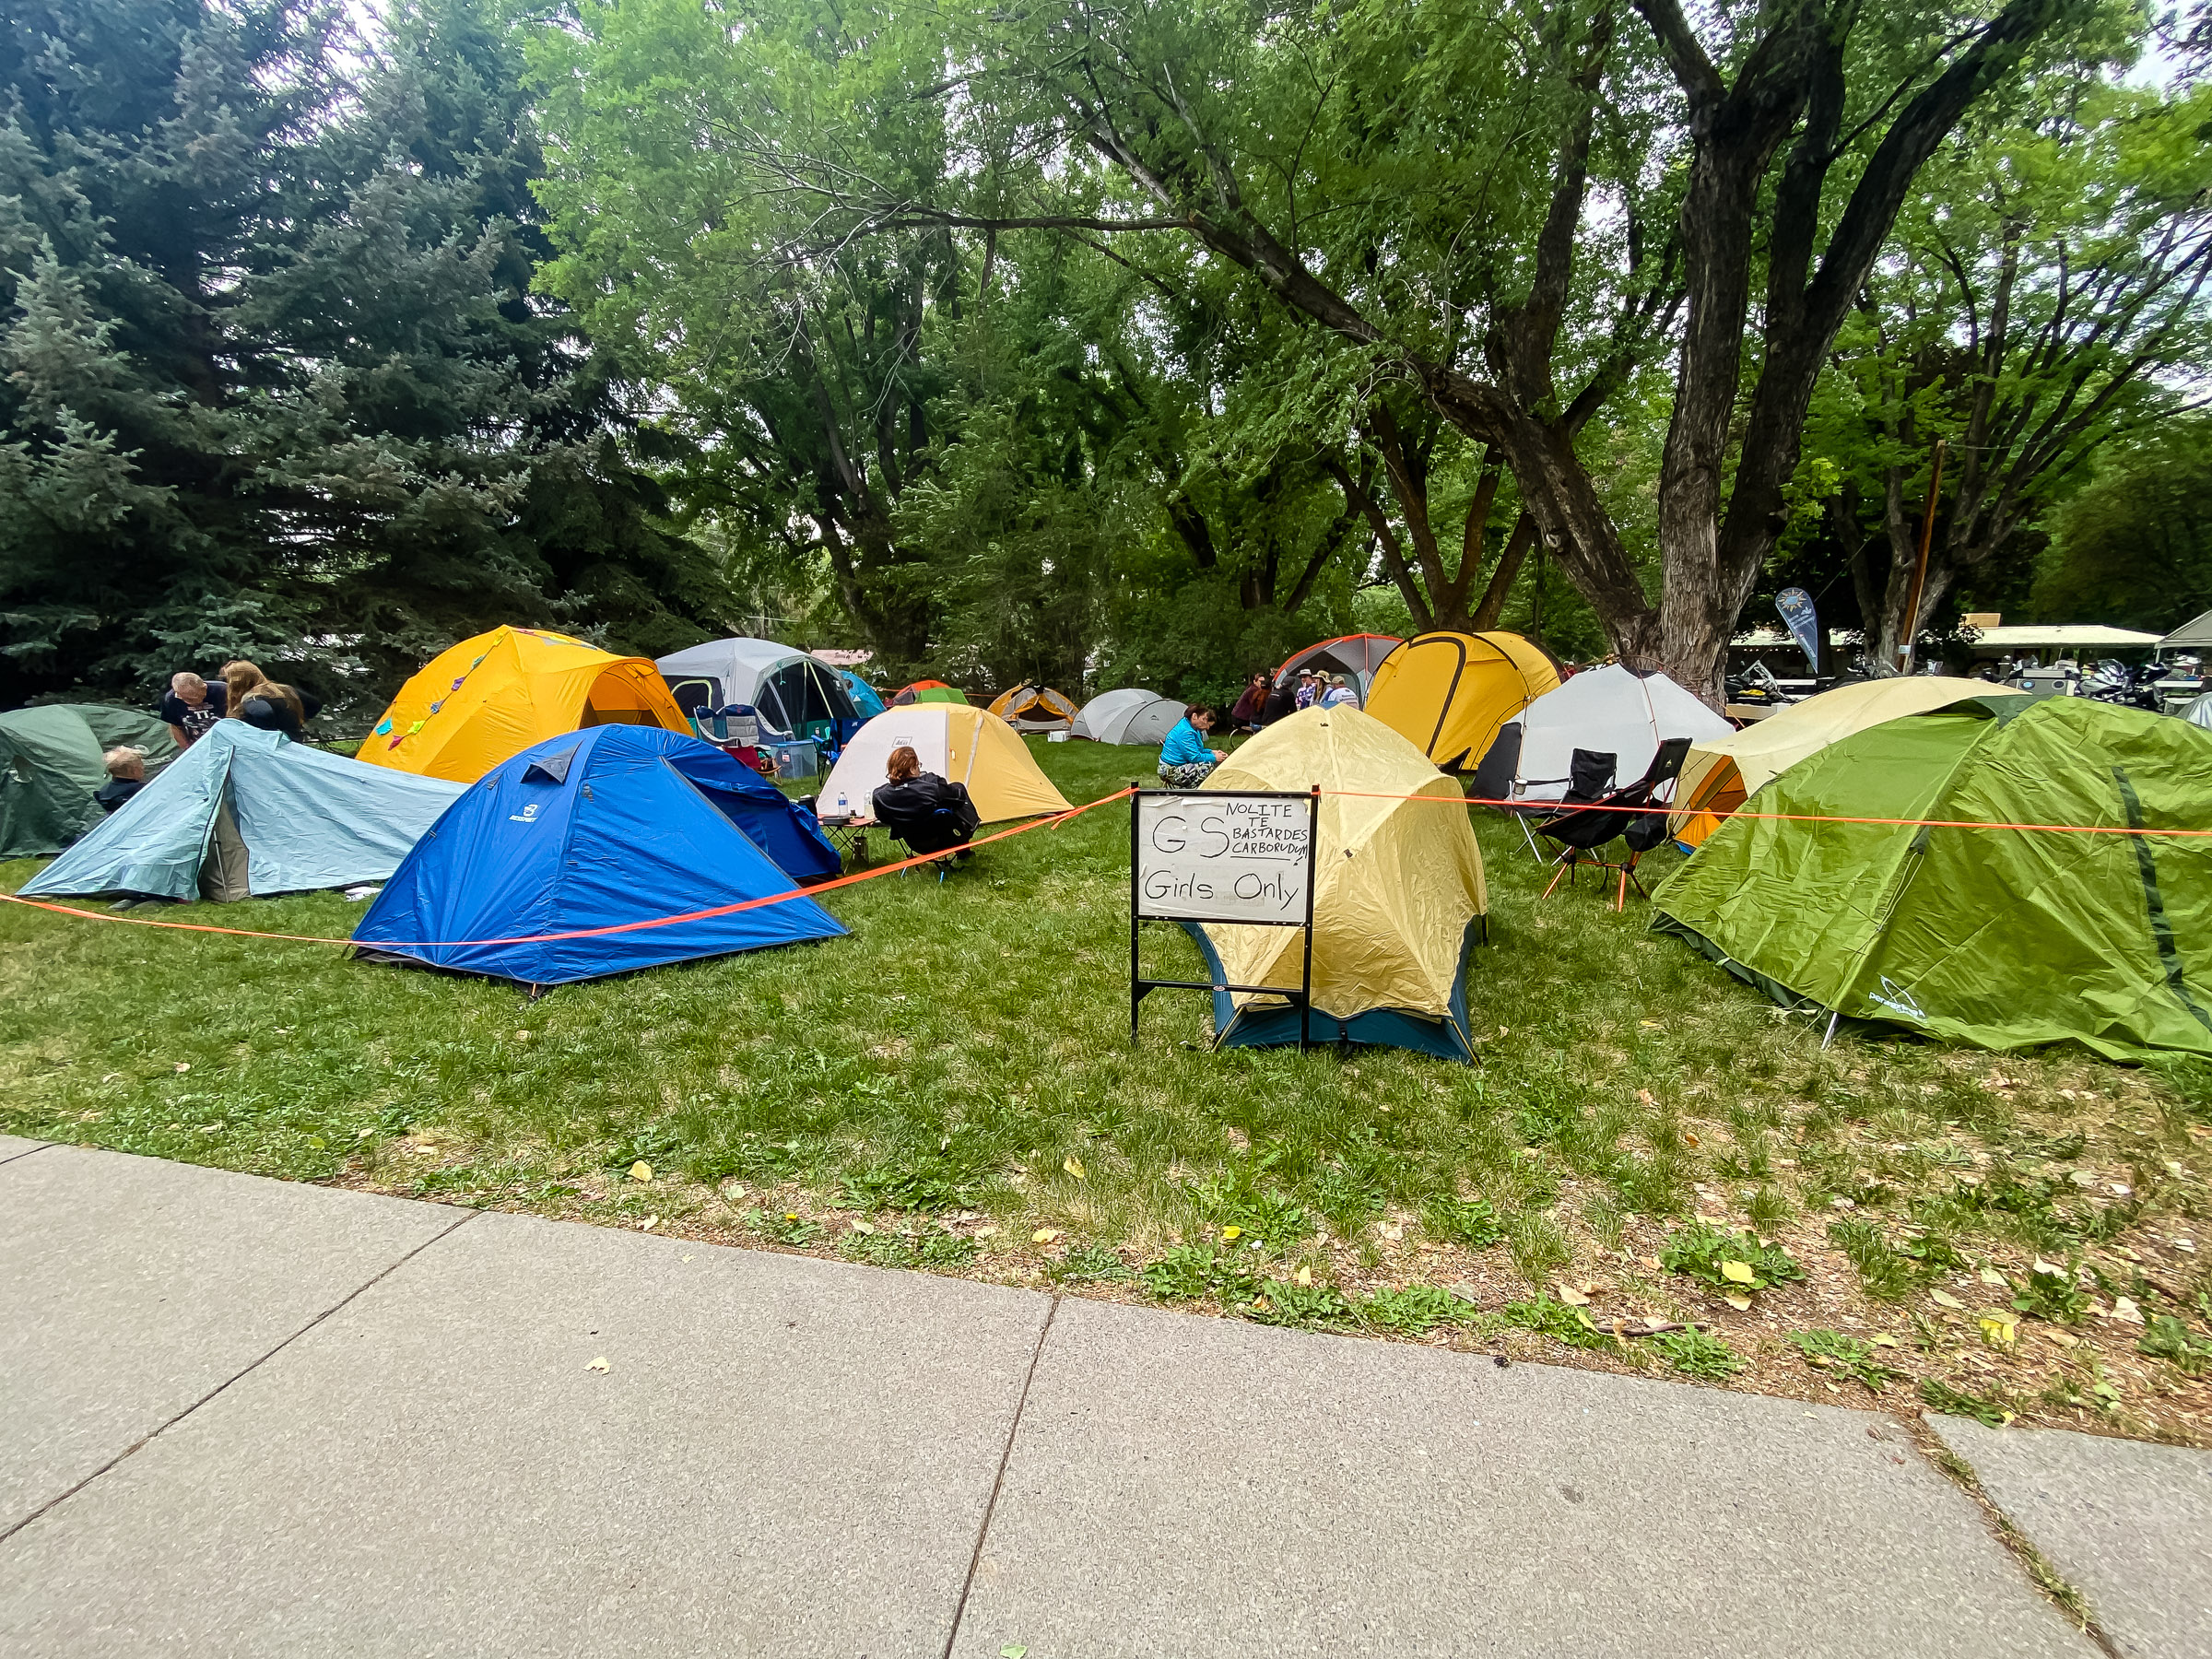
[(191, 707)]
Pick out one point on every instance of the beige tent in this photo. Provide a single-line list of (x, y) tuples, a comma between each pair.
[(1718, 776), (1396, 894), (957, 741)]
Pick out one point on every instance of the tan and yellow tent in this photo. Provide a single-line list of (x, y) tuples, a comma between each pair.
[(492, 697), (1448, 693), (1718, 776), (957, 741), (1397, 897), (1035, 709)]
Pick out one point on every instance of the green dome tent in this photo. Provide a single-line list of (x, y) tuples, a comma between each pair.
[(52, 760), (2003, 939)]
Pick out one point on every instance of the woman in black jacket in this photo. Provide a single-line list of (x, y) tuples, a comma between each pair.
[(921, 809)]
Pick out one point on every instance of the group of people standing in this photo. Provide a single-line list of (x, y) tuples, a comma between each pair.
[(1185, 761), (192, 704)]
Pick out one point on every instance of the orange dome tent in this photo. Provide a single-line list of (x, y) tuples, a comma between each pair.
[(492, 697), (1035, 709)]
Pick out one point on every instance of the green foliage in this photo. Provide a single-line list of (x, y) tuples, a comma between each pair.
[(1308, 1307), (783, 1227), (2049, 1291), (1694, 1353), (1987, 1409), (1727, 1261), (2166, 1337), (941, 1250), (1890, 1272), (1556, 1319), (2135, 548), (930, 1183), (1259, 1211), (1092, 1263), (1415, 1311), (1843, 1356), (1470, 1223), (1192, 1272)]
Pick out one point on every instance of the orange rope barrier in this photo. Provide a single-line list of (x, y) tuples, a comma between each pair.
[(587, 933), (1549, 807)]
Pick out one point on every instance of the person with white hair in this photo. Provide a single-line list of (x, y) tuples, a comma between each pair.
[(126, 777), (191, 707)]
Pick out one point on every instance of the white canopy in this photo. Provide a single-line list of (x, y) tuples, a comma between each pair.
[(1608, 710), (790, 689), (1133, 716)]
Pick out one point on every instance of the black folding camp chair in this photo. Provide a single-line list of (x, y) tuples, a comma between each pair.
[(1593, 817), (1496, 776)]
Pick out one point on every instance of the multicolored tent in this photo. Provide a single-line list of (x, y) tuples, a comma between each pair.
[(957, 742), (1448, 693), (52, 761), (926, 692), (1966, 919), (1355, 656), (245, 812), (1721, 773), (1140, 718), (1398, 894), (494, 696), (1035, 709), (592, 830)]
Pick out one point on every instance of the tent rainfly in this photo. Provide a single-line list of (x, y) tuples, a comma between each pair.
[(1398, 894), (587, 831), (52, 761), (1355, 656), (494, 695), (2193, 635), (957, 741), (795, 695), (1142, 718), (1034, 709), (1448, 693), (1610, 710), (1959, 922), (1721, 773), (926, 692), (245, 812), (866, 701), (2199, 712)]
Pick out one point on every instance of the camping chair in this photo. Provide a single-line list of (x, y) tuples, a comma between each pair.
[(736, 729), (1494, 781), (1595, 817), (948, 829)]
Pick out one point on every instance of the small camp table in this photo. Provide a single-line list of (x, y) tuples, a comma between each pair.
[(845, 835)]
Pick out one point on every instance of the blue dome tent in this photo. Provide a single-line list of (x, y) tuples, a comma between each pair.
[(595, 829), (866, 698)]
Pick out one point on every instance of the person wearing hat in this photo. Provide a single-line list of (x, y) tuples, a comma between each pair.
[(1309, 690), (1338, 693)]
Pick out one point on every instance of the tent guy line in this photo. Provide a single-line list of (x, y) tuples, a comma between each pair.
[(588, 933)]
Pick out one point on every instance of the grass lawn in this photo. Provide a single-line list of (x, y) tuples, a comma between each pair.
[(1650, 1168)]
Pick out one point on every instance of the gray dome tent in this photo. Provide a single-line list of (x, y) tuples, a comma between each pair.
[(1137, 717)]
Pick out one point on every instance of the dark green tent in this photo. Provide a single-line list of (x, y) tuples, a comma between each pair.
[(2004, 938), (51, 762)]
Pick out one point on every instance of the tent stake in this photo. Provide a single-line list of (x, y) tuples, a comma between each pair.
[(1831, 1030)]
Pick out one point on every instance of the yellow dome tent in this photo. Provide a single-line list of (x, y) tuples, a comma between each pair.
[(1035, 709), (958, 742), (1718, 776), (1448, 693), (492, 697), (1397, 892)]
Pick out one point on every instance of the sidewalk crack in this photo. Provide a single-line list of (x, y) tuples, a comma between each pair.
[(1005, 1456), (164, 1428)]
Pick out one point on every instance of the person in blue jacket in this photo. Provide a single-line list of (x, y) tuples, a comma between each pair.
[(1184, 760)]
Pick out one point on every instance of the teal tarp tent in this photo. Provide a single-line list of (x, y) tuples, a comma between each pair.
[(50, 763), (244, 811)]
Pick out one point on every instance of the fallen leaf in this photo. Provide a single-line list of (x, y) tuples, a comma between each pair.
[(1012, 1650), (861, 1226), (649, 1224), (2043, 1266), (1073, 1165), (1306, 1275), (1044, 1235), (1229, 1234), (1393, 1231), (641, 1170), (1989, 1276), (1883, 1340), (2001, 1328), (1944, 1298), (598, 1365), (1571, 1297), (1738, 1301), (2062, 1338), (986, 1232), (522, 1036), (1644, 1096), (686, 1258), (1738, 1273), (183, 1065), (2124, 1309)]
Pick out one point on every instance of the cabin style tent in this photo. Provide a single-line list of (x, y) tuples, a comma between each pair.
[(2199, 712), (795, 695), (52, 761), (1398, 894), (1720, 773), (1448, 693), (1035, 709), (2002, 937), (1140, 718), (866, 701), (957, 741), (588, 831), (494, 696), (245, 812), (1355, 656), (1612, 711), (926, 692)]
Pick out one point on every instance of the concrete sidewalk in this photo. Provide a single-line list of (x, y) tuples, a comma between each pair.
[(250, 1417)]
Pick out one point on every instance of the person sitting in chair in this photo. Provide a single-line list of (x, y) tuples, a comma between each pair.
[(924, 810), (1184, 760)]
